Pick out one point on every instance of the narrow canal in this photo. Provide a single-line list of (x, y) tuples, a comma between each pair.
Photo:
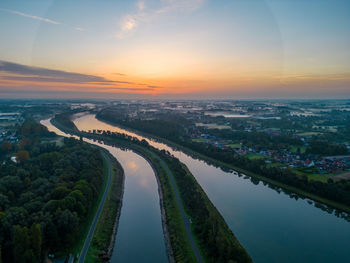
[(140, 235)]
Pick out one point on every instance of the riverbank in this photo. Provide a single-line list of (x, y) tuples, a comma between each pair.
[(166, 232), (219, 245), (178, 245), (227, 166), (101, 247)]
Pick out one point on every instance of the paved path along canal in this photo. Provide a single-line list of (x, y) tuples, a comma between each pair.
[(185, 219), (90, 235)]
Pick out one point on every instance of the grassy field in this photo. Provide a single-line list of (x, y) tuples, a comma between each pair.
[(200, 140), (58, 141), (234, 145), (275, 165), (213, 126), (294, 149), (253, 156), (308, 133), (313, 174)]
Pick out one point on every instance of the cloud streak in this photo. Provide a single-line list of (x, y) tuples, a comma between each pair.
[(41, 19)]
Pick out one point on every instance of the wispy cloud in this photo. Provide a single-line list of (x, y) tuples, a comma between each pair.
[(79, 29), (128, 23), (41, 19), (142, 15), (141, 5)]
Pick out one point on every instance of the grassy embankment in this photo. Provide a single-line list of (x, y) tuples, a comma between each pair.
[(218, 163), (108, 221), (228, 244), (181, 248)]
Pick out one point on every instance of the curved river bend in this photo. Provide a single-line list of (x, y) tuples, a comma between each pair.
[(272, 226), (139, 235)]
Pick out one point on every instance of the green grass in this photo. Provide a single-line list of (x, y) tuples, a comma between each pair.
[(319, 177), (178, 238), (253, 156), (308, 133), (294, 149), (58, 141), (275, 165), (200, 140), (312, 174), (104, 229), (213, 126), (234, 145)]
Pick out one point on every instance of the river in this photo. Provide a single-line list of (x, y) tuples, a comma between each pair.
[(271, 225), (140, 234)]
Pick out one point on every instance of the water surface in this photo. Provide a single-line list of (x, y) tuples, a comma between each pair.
[(272, 226)]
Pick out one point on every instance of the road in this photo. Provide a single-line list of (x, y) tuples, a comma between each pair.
[(185, 218), (88, 239)]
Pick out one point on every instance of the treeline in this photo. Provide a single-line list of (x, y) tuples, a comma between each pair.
[(28, 134), (215, 238), (162, 126), (173, 127), (258, 140), (324, 148), (335, 191), (64, 119), (45, 199)]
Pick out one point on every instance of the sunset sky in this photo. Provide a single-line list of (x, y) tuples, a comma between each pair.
[(175, 49)]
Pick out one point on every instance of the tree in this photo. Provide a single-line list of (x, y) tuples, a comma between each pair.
[(36, 241), (6, 147), (22, 156), (20, 244)]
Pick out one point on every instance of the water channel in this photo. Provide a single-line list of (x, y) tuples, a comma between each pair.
[(140, 235), (271, 225)]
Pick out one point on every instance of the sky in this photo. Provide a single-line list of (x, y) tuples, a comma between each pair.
[(175, 49)]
